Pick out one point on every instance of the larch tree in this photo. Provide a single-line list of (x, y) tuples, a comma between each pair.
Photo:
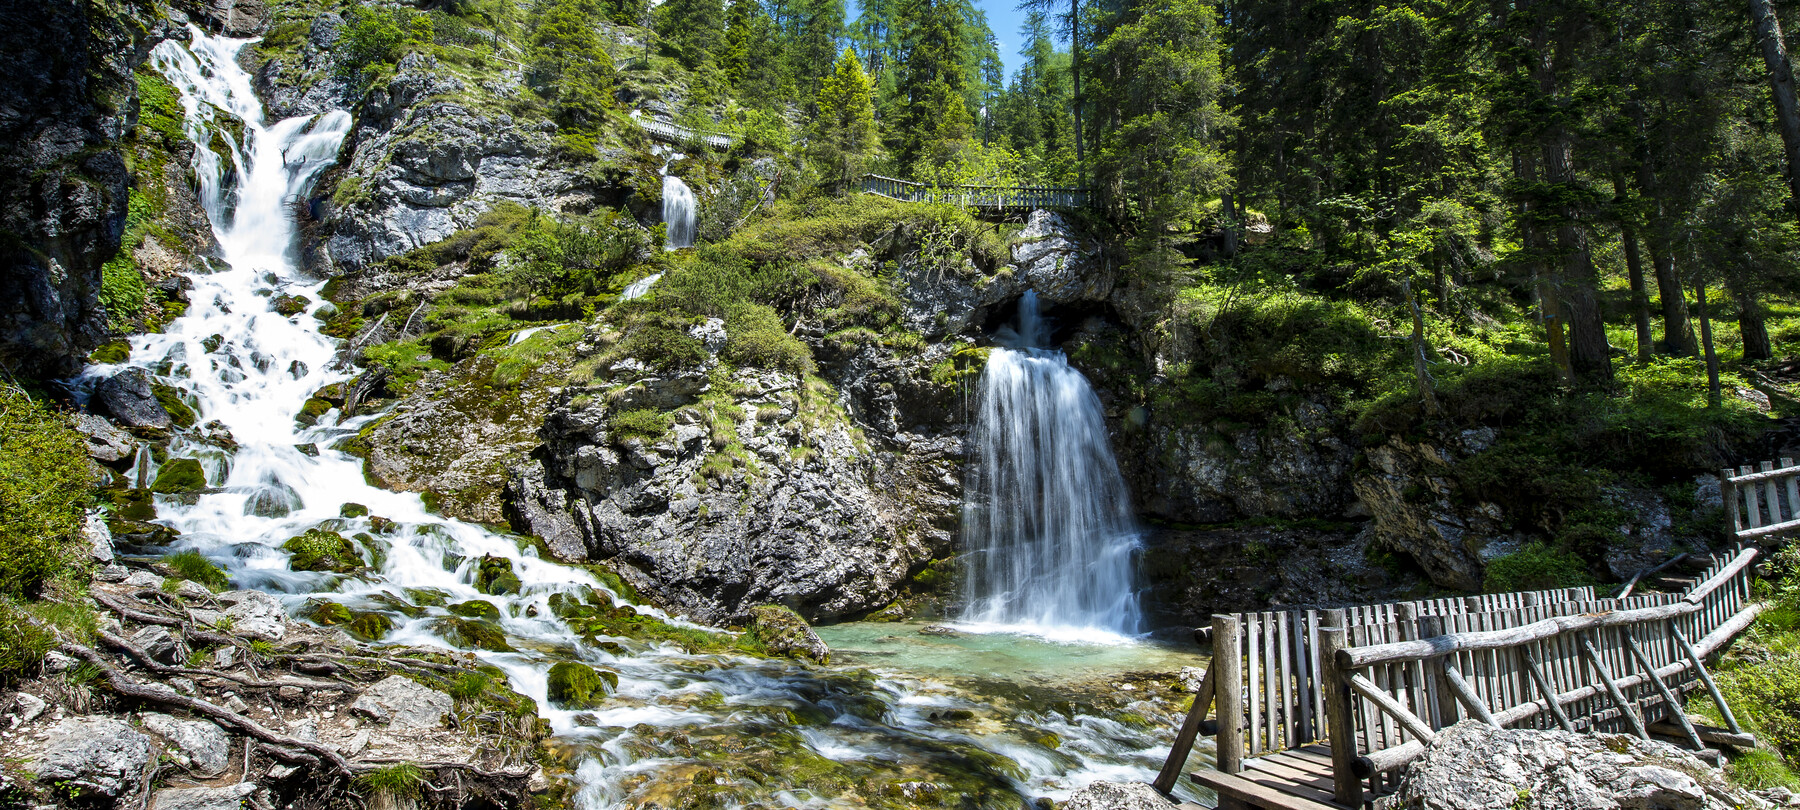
[(844, 137)]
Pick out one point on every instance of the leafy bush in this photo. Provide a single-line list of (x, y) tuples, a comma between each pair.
[(555, 259), (1535, 567), (756, 337), (378, 36), (44, 494)]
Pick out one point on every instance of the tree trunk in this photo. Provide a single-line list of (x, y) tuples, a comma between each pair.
[(1752, 323), (1589, 355), (1421, 365), (1234, 224), (1640, 297), (1713, 394), (1678, 328), (1545, 279), (1781, 85)]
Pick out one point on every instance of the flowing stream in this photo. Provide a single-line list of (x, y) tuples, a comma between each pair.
[(1046, 517), (678, 209), (681, 729)]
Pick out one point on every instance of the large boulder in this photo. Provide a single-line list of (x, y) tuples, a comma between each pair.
[(197, 744), (128, 398), (203, 798), (94, 756), (255, 615), (106, 443), (1117, 796), (785, 633), (1474, 766), (403, 704)]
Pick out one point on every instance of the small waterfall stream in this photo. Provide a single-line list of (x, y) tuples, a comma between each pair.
[(678, 209), (1046, 518), (798, 736)]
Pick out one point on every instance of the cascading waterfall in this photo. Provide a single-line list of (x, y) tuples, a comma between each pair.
[(1046, 518), (678, 209), (249, 368)]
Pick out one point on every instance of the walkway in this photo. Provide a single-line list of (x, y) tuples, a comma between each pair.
[(682, 136), (1330, 706), (991, 199)]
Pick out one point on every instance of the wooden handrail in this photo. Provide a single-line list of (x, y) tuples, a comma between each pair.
[(1743, 558), (1399, 651)]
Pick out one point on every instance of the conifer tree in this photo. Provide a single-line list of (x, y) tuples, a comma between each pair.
[(695, 27), (844, 135), (571, 63)]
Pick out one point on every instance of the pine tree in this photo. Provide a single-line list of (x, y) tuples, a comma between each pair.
[(695, 27), (931, 67), (844, 137), (571, 63)]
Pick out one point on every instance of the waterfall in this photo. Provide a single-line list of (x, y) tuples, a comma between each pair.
[(250, 369), (677, 210), (1046, 518)]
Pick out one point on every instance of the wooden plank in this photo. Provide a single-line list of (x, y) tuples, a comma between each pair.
[(1363, 686), (1255, 794), (1769, 491), (1303, 678), (1316, 753), (1253, 680), (1293, 759), (1320, 781), (1348, 789), (1288, 785), (1438, 714), (1288, 716), (1184, 739), (1595, 660), (1228, 689), (1672, 706), (1710, 734), (1271, 695), (1751, 509)]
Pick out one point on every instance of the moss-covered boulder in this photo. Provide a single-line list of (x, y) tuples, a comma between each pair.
[(323, 550), (290, 304), (494, 576), (472, 634), (330, 614), (179, 475), (476, 609), (578, 686), (180, 413), (783, 632), (370, 626), (117, 351), (353, 510), (132, 504), (211, 343)]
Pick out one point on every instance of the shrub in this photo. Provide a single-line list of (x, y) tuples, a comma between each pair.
[(377, 36), (45, 489), (1535, 567), (646, 424), (194, 567), (756, 337), (22, 645)]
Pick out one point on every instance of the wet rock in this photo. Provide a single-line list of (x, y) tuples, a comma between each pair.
[(197, 744), (99, 538), (1117, 796), (128, 398), (255, 615), (785, 633), (322, 550), (272, 501), (403, 704), (472, 634), (94, 755), (1410, 491), (105, 442), (1473, 766), (575, 685), (203, 798), (353, 510), (289, 304), (940, 630), (494, 576), (476, 609), (160, 644)]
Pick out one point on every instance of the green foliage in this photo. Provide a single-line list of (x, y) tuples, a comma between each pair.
[(572, 67), (402, 781), (757, 338), (23, 645), (122, 290), (195, 567), (1536, 567), (844, 137), (45, 490), (159, 107), (580, 256), (596, 617), (374, 37), (647, 424)]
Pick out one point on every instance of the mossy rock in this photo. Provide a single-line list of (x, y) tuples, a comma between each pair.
[(330, 614), (472, 634), (353, 510), (322, 550), (381, 525), (494, 576), (783, 632), (211, 343), (290, 304), (170, 398), (475, 609), (179, 475), (132, 504), (579, 686), (117, 351), (429, 597), (142, 533), (311, 410), (370, 626)]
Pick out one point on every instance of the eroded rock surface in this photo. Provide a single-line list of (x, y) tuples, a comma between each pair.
[(94, 755)]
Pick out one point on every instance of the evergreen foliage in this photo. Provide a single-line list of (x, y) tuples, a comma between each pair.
[(844, 136)]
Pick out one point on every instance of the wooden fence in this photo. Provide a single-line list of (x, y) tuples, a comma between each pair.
[(682, 136), (991, 198), (1760, 503), (1389, 676)]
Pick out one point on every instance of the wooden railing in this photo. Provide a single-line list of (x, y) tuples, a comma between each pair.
[(682, 136), (994, 198), (1378, 681), (1761, 503)]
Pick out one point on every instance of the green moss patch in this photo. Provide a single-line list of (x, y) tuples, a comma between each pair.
[(323, 550), (579, 686), (179, 475), (494, 576)]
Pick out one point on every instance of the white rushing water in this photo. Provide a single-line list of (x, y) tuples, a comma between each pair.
[(249, 369), (678, 209), (1046, 518)]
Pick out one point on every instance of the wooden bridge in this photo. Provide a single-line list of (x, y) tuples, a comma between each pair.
[(989, 199), (682, 136), (1324, 708)]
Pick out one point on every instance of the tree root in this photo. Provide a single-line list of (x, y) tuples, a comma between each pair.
[(144, 660), (288, 749), (117, 605)]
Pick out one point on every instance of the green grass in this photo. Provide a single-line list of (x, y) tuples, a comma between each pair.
[(195, 567), (45, 489), (402, 781), (1535, 567), (23, 645)]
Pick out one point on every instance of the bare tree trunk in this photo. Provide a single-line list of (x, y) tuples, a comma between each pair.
[(1781, 85), (1544, 276), (1589, 355), (1752, 323), (1421, 366), (1678, 328), (1713, 394), (1234, 224), (1640, 297)]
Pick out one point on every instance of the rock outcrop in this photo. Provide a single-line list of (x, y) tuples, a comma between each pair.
[(96, 756), (1117, 796), (1474, 766)]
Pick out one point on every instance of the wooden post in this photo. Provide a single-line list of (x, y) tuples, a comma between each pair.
[(1440, 713), (1228, 689), (1770, 495), (1345, 786), (1468, 697), (1752, 512), (1670, 704), (1184, 740), (1612, 689), (1544, 688), (1712, 688)]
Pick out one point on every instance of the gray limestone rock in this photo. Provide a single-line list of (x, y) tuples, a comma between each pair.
[(785, 633), (160, 644), (1117, 796), (95, 755), (203, 798), (99, 537), (197, 744), (401, 703), (255, 615), (1474, 766), (126, 396), (106, 443)]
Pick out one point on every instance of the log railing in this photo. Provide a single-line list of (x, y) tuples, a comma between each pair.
[(682, 136), (1761, 502), (1413, 668), (996, 198)]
